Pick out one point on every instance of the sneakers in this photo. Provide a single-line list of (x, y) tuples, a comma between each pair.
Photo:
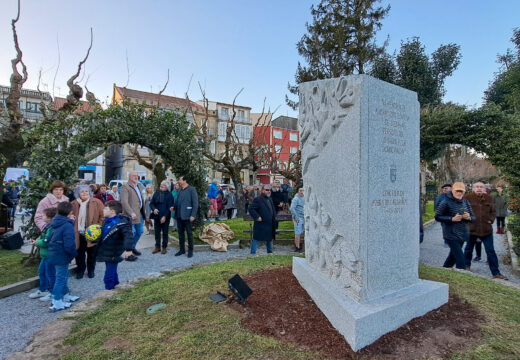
[(46, 297), (131, 258), (155, 251), (180, 252), (70, 298), (164, 251), (38, 294), (58, 305), (477, 258), (500, 276), (136, 252)]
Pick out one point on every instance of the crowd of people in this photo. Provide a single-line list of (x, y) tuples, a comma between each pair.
[(467, 218), (65, 218), (65, 215)]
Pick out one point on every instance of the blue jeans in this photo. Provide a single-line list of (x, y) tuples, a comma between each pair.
[(60, 286), (490, 252), (47, 274), (137, 231), (456, 256), (111, 279), (268, 244)]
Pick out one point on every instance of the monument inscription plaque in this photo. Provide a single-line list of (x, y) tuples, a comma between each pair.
[(360, 158)]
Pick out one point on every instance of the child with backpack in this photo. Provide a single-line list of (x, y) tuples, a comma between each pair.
[(46, 271), (61, 251)]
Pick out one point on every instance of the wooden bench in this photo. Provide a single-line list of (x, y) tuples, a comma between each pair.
[(281, 216)]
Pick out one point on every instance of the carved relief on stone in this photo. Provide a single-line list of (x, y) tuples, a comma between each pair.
[(319, 118), (328, 251)]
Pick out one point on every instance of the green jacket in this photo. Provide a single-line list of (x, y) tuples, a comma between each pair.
[(43, 241)]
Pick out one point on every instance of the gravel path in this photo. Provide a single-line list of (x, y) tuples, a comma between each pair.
[(434, 253), (23, 317)]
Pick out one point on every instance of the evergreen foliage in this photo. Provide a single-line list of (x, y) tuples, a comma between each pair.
[(413, 69), (62, 140), (340, 40)]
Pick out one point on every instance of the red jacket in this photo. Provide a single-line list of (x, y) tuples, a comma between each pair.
[(106, 198)]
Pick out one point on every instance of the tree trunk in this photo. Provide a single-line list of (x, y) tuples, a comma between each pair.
[(241, 201)]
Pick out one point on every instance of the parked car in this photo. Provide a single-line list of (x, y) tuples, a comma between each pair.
[(119, 184)]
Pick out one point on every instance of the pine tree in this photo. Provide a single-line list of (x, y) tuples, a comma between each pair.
[(340, 40)]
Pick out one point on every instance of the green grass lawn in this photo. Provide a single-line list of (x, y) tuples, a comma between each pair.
[(429, 213), (238, 225), (193, 327), (11, 268)]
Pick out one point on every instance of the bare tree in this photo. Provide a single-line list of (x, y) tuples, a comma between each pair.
[(11, 141), (235, 155)]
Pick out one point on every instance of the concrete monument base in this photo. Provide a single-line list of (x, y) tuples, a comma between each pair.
[(363, 323)]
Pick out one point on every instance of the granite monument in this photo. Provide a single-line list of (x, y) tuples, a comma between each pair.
[(360, 159)]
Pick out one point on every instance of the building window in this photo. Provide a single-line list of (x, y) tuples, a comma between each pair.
[(293, 137), (278, 149), (32, 107), (294, 150), (241, 116), (277, 134), (224, 113)]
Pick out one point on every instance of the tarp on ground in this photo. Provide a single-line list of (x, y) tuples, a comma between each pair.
[(217, 235)]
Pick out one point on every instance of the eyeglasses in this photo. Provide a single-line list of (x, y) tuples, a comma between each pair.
[(267, 190), (459, 191)]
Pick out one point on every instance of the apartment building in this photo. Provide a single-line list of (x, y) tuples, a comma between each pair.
[(29, 103)]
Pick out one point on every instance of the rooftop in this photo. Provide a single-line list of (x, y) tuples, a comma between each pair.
[(163, 100)]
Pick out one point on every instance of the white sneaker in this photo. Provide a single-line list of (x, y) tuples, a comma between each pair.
[(70, 298), (58, 305), (47, 297), (38, 294)]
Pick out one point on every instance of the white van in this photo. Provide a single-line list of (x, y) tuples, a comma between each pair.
[(117, 183)]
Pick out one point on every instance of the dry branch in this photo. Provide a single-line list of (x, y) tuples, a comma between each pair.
[(76, 92)]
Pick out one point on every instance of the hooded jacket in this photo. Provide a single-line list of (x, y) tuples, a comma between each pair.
[(62, 244), (446, 210), (118, 239)]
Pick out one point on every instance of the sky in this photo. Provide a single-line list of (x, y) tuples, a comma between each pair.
[(228, 45)]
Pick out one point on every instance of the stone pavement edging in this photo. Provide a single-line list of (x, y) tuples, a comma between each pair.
[(22, 286), (428, 223), (515, 268), (48, 342)]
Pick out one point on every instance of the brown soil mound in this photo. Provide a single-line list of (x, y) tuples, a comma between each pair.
[(281, 308)]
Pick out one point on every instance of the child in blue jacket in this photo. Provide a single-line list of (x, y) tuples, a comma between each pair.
[(116, 238), (62, 249)]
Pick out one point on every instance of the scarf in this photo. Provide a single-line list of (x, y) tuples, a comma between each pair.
[(82, 216)]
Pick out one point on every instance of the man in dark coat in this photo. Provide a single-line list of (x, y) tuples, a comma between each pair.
[(262, 210), (482, 228), (186, 207), (455, 213)]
